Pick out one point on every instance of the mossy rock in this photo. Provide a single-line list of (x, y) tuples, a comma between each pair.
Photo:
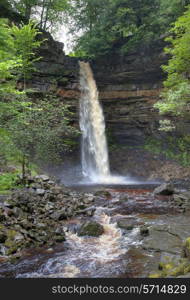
[(155, 275), (172, 269), (91, 229)]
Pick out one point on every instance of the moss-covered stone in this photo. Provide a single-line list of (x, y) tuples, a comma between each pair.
[(91, 229), (172, 269)]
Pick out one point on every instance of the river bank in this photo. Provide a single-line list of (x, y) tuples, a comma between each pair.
[(142, 231)]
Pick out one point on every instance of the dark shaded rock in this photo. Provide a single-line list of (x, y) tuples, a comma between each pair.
[(144, 231), (59, 238), (164, 189), (2, 216), (91, 228)]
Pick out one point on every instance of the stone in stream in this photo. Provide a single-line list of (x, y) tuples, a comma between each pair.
[(91, 228), (160, 239), (144, 231), (164, 189), (127, 223)]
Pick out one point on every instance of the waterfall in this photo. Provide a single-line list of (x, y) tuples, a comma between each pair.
[(94, 152)]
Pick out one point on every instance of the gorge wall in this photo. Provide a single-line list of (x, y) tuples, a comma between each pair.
[(129, 86)]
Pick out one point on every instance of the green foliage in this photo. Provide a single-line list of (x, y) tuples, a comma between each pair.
[(120, 25), (176, 96), (25, 42), (47, 13), (177, 149), (8, 181), (40, 130)]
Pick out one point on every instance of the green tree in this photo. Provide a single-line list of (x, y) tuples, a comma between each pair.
[(121, 25), (176, 95), (17, 58), (47, 13)]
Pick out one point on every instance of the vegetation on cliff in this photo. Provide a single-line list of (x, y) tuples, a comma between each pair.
[(30, 130)]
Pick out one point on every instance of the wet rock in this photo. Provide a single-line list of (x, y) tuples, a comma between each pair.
[(126, 223), (164, 189), (160, 239), (91, 228), (144, 230)]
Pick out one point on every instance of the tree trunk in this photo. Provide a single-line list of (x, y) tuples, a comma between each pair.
[(42, 14), (46, 17)]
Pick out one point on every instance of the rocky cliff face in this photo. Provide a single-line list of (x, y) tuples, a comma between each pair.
[(128, 87)]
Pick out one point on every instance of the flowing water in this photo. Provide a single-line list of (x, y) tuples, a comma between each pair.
[(88, 256), (109, 255), (95, 162)]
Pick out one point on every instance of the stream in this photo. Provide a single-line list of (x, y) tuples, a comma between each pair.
[(118, 252)]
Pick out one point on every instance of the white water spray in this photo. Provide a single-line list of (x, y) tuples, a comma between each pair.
[(95, 162)]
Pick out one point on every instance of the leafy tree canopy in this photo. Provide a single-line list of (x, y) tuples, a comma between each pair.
[(176, 96), (121, 25)]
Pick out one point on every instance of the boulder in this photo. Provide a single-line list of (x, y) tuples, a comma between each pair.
[(144, 231), (91, 228), (43, 177), (161, 240), (164, 189), (126, 223), (40, 192)]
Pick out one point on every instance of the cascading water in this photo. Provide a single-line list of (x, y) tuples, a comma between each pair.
[(95, 162)]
